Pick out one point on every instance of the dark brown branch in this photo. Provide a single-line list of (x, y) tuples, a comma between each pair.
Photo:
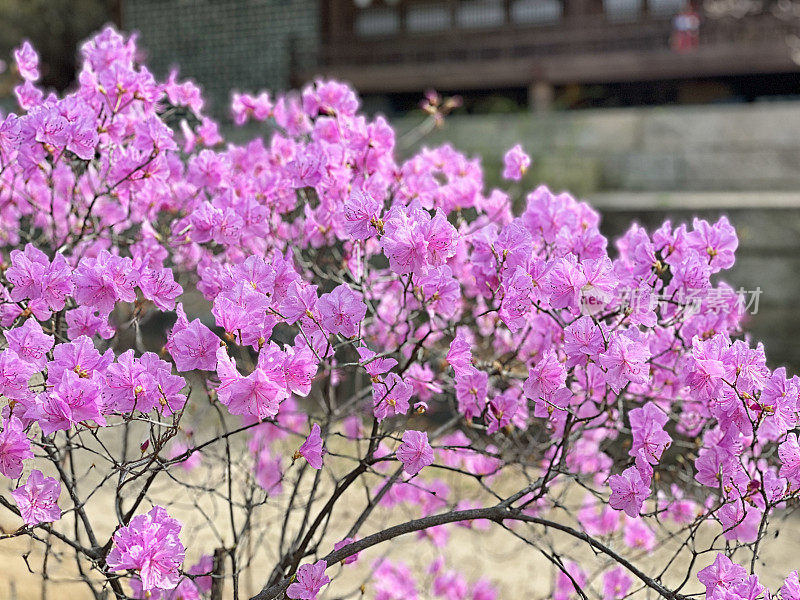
[(498, 514)]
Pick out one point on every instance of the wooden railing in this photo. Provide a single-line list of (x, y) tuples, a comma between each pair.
[(573, 45), (585, 36), (590, 34)]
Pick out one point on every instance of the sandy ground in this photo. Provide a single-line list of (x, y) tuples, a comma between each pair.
[(518, 569)]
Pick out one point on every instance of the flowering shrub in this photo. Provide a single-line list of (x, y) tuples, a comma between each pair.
[(294, 327)]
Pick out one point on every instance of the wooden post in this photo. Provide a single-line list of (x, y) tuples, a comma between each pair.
[(401, 13), (574, 9), (540, 96), (452, 7), (577, 9), (218, 574)]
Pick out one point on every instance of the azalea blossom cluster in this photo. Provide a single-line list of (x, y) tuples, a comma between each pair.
[(391, 324)]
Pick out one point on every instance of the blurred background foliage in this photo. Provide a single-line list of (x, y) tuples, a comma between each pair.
[(55, 28)]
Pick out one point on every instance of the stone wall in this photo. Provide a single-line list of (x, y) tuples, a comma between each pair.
[(225, 44), (737, 160), (767, 218), (719, 147)]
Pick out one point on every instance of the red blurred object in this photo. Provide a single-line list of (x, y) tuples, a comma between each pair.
[(686, 30)]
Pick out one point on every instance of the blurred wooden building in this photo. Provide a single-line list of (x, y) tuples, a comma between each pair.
[(390, 46), (644, 51)]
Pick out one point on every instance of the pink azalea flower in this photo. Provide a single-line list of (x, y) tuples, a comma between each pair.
[(706, 376), (203, 568), (516, 299), (245, 106), (362, 215), (161, 390), (258, 394), (404, 242), (460, 353), (583, 340), (647, 429), (151, 546), (515, 163), (189, 463), (352, 428), (299, 369), (299, 303), (159, 286), (141, 384), (185, 93), (740, 521), (600, 284), (30, 342), (28, 95), (565, 281), (194, 347), (790, 590), (716, 243), (185, 590), (27, 61), (37, 500), (502, 409), (15, 374), (425, 383), (441, 291), (616, 584), (85, 321), (307, 169), (268, 472), (242, 312), (602, 523), (440, 239), (721, 573), (450, 585), (26, 273), (374, 366), (75, 399), (393, 581), (546, 377), (14, 448), (312, 449), (139, 593), (565, 585), (638, 535), (391, 397), (415, 452), (789, 453), (625, 361), (484, 590), (472, 385), (346, 542), (310, 580), (628, 491), (341, 311), (100, 282)]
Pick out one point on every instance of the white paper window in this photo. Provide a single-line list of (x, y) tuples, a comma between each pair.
[(622, 10), (377, 22), (477, 14), (430, 17), (538, 12)]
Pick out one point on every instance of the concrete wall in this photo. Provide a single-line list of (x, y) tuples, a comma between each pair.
[(225, 44), (720, 147)]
